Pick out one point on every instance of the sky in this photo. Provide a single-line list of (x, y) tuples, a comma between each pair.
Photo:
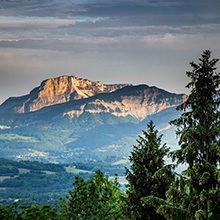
[(114, 41)]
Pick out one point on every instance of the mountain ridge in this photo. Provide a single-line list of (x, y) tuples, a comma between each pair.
[(134, 101), (57, 90), (82, 95)]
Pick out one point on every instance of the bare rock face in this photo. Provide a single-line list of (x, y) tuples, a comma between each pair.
[(135, 101), (58, 90)]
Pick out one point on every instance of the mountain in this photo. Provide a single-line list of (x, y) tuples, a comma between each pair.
[(69, 119), (57, 90), (120, 100)]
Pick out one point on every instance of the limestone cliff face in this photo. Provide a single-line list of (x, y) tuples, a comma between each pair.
[(58, 90), (135, 101)]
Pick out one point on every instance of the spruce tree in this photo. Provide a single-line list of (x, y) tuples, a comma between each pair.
[(199, 130), (147, 175)]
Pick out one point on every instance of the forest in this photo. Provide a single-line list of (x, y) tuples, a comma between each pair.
[(154, 190)]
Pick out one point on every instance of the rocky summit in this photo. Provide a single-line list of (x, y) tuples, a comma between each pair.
[(57, 90)]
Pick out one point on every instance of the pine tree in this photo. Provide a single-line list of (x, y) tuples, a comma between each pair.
[(199, 130), (147, 175)]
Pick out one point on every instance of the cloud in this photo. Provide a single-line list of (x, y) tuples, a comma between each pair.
[(129, 11), (134, 41), (52, 19)]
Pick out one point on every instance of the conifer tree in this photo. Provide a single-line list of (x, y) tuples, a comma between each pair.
[(199, 130), (147, 175)]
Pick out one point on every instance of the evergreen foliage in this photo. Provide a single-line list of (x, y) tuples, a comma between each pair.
[(196, 194), (199, 130), (199, 125), (148, 174)]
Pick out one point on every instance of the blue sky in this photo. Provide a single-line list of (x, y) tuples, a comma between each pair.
[(150, 42)]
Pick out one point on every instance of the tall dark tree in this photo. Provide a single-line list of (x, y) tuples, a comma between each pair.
[(199, 130), (148, 174)]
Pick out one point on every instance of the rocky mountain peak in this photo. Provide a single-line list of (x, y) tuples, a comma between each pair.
[(58, 90)]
